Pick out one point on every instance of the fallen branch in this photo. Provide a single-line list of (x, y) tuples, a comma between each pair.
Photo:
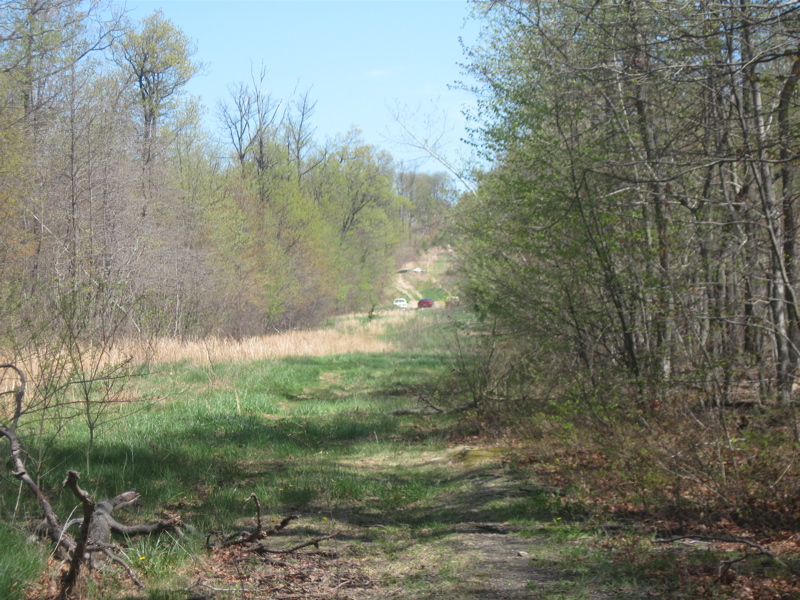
[(760, 550), (78, 553), (65, 543), (430, 409), (125, 566), (97, 523), (257, 533), (315, 542)]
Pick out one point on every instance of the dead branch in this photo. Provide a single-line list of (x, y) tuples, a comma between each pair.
[(726, 565), (78, 553), (430, 409), (254, 498), (65, 543), (257, 533), (315, 542), (760, 550), (116, 559), (717, 538), (282, 525), (97, 523)]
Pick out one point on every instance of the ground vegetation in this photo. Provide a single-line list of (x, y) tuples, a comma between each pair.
[(631, 253)]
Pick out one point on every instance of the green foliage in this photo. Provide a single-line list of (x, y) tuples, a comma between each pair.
[(302, 248), (600, 242), (108, 178), (157, 57), (429, 198)]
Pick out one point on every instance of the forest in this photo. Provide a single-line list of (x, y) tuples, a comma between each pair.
[(118, 202), (627, 259), (635, 245)]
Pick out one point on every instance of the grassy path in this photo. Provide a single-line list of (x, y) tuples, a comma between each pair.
[(411, 514), (414, 516)]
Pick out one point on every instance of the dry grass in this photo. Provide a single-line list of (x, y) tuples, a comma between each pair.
[(349, 334), (292, 343), (352, 333)]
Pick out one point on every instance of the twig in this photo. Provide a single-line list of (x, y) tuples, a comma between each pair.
[(726, 565), (315, 542), (434, 410), (727, 540), (213, 589), (254, 498), (425, 400), (126, 566), (282, 524), (245, 537)]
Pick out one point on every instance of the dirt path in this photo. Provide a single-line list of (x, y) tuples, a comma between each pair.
[(433, 264), (475, 557), (503, 568)]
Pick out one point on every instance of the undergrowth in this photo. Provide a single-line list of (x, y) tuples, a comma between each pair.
[(600, 488)]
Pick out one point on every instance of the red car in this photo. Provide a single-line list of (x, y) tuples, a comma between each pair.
[(425, 303)]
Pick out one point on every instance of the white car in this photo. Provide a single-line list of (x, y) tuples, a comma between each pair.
[(400, 303)]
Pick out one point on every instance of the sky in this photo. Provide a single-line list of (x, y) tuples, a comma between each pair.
[(359, 60)]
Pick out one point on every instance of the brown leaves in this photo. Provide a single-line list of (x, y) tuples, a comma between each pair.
[(317, 574)]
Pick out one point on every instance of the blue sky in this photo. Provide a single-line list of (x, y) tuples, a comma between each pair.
[(358, 57)]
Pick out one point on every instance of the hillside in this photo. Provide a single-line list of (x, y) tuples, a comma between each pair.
[(435, 280)]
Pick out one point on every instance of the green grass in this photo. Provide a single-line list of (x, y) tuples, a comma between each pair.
[(314, 436), (293, 431), (434, 293), (308, 435), (21, 563)]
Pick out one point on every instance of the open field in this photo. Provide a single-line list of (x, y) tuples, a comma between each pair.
[(347, 335), (398, 506)]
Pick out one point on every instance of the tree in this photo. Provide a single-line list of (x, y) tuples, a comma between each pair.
[(299, 134), (628, 139), (158, 59), (430, 196), (41, 39), (251, 119)]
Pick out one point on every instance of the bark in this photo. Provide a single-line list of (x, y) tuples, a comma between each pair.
[(68, 583), (791, 252)]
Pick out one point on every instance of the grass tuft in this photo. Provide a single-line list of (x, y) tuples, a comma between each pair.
[(20, 562)]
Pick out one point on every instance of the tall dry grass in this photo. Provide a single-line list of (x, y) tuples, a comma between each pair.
[(353, 333), (349, 334)]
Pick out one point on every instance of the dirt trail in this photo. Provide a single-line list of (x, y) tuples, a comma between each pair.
[(466, 555), (434, 264), (477, 558)]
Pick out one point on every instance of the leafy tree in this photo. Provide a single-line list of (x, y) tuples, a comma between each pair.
[(158, 59), (629, 139), (430, 198)]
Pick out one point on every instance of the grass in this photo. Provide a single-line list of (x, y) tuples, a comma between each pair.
[(20, 562), (305, 433), (312, 434)]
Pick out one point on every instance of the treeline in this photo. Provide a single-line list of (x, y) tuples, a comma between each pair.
[(642, 214), (120, 207), (635, 244)]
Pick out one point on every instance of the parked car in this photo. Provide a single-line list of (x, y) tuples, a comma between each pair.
[(425, 303), (400, 303), (452, 301)]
